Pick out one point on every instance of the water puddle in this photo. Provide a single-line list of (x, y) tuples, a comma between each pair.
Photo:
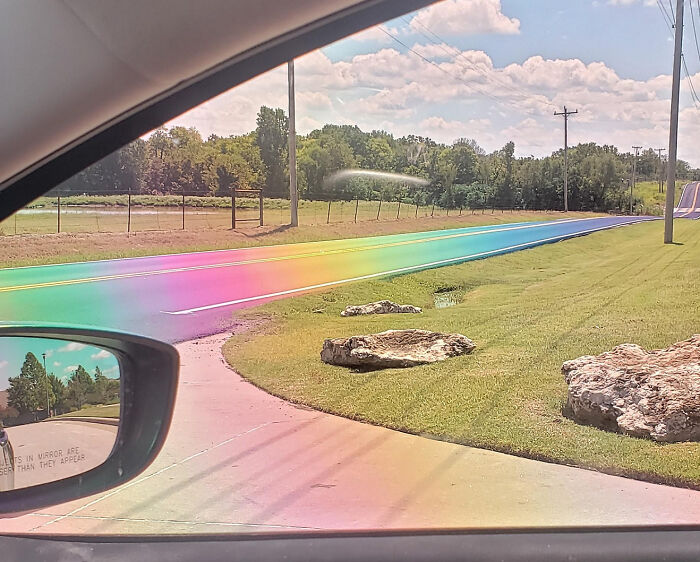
[(448, 296)]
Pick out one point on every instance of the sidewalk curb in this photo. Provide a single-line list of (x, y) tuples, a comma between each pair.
[(105, 421)]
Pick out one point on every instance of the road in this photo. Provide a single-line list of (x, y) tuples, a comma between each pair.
[(49, 451), (180, 297), (689, 203), (238, 459)]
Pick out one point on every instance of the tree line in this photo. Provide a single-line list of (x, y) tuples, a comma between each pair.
[(30, 390), (462, 174)]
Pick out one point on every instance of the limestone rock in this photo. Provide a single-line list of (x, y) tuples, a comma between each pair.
[(394, 348), (654, 394), (380, 307)]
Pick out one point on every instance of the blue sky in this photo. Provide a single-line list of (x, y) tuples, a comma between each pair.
[(62, 357), (493, 71)]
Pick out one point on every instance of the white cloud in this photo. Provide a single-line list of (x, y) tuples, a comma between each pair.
[(70, 368), (101, 354), (401, 93), (56, 364), (72, 346), (465, 17), (3, 364), (647, 3)]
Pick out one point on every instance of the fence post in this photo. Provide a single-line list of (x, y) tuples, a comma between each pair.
[(58, 225), (448, 211), (183, 209), (128, 212), (260, 196), (357, 204), (379, 209), (233, 209), (398, 211), (328, 216), (460, 210), (416, 210), (432, 211)]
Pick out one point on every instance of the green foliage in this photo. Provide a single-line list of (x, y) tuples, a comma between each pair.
[(29, 390), (80, 386), (272, 129), (177, 160)]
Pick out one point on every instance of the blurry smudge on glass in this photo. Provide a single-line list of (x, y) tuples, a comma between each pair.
[(59, 409)]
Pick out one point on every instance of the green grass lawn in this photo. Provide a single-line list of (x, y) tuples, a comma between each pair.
[(653, 201), (528, 312), (100, 411)]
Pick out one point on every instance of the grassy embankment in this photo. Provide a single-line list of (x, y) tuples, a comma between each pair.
[(653, 201), (528, 312), (99, 411)]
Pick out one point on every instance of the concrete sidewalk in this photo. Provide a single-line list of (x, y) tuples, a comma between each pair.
[(238, 459)]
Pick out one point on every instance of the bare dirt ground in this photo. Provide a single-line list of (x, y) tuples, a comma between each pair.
[(35, 249)]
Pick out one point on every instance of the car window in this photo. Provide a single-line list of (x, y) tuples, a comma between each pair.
[(416, 278)]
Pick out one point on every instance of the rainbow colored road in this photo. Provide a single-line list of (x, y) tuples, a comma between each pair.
[(689, 203), (183, 296)]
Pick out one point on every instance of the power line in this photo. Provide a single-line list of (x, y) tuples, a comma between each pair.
[(693, 93), (695, 33), (441, 43), (666, 16), (455, 77)]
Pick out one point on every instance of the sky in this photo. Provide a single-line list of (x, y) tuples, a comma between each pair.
[(494, 71), (62, 358)]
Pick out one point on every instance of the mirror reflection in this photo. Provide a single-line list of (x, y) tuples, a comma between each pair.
[(59, 409)]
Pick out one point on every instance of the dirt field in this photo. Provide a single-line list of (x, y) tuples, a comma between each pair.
[(33, 249)]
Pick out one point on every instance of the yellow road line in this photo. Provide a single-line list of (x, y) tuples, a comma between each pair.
[(276, 258)]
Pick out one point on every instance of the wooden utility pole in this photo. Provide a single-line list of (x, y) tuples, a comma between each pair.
[(661, 169), (566, 114), (634, 177), (673, 129), (293, 194)]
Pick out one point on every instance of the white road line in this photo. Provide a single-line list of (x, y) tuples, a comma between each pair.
[(394, 271), (202, 252), (286, 257), (242, 248)]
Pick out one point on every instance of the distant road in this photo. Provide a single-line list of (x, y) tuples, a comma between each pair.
[(689, 203), (184, 296), (52, 450)]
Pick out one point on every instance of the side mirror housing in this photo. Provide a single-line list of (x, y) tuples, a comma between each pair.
[(95, 423)]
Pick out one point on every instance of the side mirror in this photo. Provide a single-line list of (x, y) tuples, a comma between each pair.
[(81, 411)]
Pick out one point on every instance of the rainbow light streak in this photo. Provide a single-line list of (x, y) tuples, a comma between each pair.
[(180, 297)]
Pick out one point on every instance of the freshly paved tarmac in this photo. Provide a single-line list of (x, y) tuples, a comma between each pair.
[(240, 460)]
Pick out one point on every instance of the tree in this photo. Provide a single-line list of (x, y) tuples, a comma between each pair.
[(80, 385), (27, 391), (59, 392), (272, 127)]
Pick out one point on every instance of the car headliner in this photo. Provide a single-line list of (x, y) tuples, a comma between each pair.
[(68, 67)]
